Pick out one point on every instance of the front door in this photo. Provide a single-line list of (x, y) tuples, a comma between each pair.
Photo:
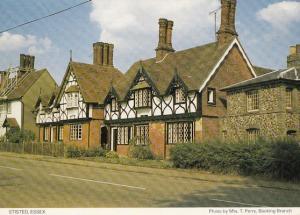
[(104, 133)]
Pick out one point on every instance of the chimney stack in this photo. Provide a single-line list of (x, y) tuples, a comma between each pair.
[(165, 38), (103, 54), (26, 62), (227, 29), (293, 60)]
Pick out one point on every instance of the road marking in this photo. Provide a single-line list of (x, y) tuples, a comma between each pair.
[(12, 168), (100, 182), (238, 203)]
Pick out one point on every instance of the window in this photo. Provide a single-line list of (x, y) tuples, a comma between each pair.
[(124, 135), (291, 134), (72, 100), (224, 135), (179, 96), (46, 133), (114, 105), (253, 134), (211, 96), (142, 98), (60, 133), (180, 132), (9, 108), (142, 134), (75, 132), (252, 100), (289, 97)]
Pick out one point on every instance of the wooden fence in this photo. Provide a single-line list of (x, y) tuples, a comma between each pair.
[(49, 149)]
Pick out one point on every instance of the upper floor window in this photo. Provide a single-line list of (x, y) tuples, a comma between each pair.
[(72, 100), (179, 96), (114, 104), (252, 100), (211, 96), (75, 132), (253, 134), (142, 98), (289, 97)]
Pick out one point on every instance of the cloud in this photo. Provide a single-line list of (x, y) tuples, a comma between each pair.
[(132, 25), (29, 43), (282, 14)]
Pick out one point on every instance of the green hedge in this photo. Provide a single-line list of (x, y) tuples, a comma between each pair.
[(280, 159), (75, 152)]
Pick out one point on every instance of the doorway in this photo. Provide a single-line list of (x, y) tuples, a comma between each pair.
[(104, 133), (114, 139)]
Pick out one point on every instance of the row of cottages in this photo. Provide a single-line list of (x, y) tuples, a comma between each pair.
[(267, 106), (19, 89), (171, 98)]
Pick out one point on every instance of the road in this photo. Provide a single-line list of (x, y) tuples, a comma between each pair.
[(47, 183)]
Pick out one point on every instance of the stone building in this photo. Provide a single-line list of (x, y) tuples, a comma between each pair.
[(267, 106), (20, 88)]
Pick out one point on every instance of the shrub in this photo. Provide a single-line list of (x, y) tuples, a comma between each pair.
[(140, 152), (111, 154), (16, 135), (94, 152), (72, 152), (279, 159)]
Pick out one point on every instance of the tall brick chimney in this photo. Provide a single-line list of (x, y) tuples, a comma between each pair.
[(165, 38), (293, 60), (103, 54), (227, 29), (26, 62)]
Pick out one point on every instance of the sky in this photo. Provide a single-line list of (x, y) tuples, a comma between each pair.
[(266, 29)]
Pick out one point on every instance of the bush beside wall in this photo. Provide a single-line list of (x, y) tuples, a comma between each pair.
[(279, 159)]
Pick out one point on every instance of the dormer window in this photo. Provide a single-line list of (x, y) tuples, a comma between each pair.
[(142, 98), (179, 96), (72, 100), (114, 105)]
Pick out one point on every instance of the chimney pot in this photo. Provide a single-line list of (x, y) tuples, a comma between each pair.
[(103, 54), (165, 38), (293, 60), (26, 62)]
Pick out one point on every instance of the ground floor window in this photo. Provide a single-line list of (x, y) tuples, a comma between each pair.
[(60, 132), (124, 135), (180, 132), (75, 132), (46, 134), (142, 134), (253, 134)]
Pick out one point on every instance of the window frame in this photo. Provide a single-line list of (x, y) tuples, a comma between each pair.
[(252, 100), (123, 132), (214, 91), (74, 103), (75, 132), (114, 108), (289, 97), (142, 140), (46, 134), (256, 134), (60, 136), (137, 98), (183, 99), (174, 127)]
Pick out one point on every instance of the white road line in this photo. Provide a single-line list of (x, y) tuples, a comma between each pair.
[(12, 168), (100, 182), (238, 203)]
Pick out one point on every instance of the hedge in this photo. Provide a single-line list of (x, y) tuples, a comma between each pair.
[(279, 159)]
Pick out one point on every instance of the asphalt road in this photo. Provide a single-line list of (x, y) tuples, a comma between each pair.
[(35, 183)]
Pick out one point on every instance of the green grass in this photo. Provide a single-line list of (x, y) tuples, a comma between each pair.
[(34, 186)]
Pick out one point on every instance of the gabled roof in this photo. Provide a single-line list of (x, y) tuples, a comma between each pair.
[(24, 85), (94, 80), (292, 74), (194, 66)]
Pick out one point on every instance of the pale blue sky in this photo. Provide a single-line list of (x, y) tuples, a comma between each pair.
[(265, 29)]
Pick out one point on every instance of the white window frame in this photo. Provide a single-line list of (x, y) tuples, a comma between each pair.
[(142, 134), (46, 134), (179, 96), (114, 105), (60, 133), (211, 96), (75, 132), (142, 98), (72, 100), (124, 135), (180, 132)]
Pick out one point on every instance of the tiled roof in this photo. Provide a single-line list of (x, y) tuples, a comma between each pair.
[(286, 74), (261, 70), (94, 81), (24, 85), (193, 67)]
